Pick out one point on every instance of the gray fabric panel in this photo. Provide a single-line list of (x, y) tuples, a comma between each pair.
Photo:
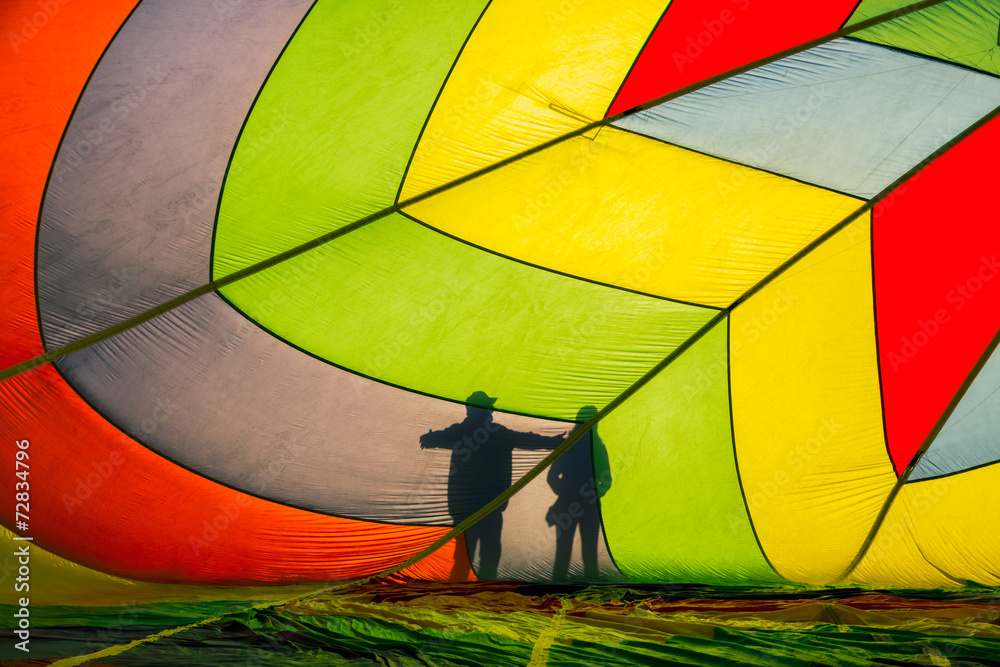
[(847, 115), (971, 436), (549, 531), (128, 216), (212, 391)]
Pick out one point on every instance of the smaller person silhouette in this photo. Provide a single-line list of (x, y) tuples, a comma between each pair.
[(481, 468), (572, 478)]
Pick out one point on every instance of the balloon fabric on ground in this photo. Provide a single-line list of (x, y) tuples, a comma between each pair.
[(659, 293)]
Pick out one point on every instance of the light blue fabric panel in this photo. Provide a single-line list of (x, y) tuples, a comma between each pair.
[(971, 436), (847, 115)]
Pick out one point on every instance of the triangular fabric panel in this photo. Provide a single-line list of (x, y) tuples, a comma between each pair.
[(532, 71), (971, 436), (933, 325), (323, 145), (959, 31), (938, 533), (698, 39), (846, 115)]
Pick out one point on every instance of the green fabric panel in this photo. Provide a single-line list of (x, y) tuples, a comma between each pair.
[(959, 31), (329, 138), (670, 451), (404, 304)]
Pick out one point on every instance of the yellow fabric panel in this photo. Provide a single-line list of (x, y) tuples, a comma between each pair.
[(531, 71), (54, 580), (938, 532), (807, 411), (631, 211)]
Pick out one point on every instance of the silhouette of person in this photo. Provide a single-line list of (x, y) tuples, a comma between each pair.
[(481, 467), (579, 477)]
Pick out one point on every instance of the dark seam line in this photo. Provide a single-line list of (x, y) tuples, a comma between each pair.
[(534, 472), (926, 56), (956, 580), (108, 332), (638, 56), (556, 271), (945, 475), (600, 511), (851, 14), (558, 451), (869, 205), (901, 480), (370, 377), (142, 443), (736, 459), (52, 168), (836, 228), (430, 113), (737, 163), (897, 487), (239, 136), (878, 352)]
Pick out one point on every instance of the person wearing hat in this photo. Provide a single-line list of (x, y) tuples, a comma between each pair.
[(481, 469)]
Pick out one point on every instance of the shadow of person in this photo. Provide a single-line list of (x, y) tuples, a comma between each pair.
[(481, 469), (579, 478)]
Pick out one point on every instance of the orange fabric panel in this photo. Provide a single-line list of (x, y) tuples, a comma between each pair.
[(100, 499), (50, 48), (449, 563)]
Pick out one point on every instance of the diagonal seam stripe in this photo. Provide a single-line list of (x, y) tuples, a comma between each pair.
[(902, 480), (121, 648), (263, 265), (653, 372)]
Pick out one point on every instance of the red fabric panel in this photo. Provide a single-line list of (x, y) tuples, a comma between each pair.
[(449, 563), (49, 49), (697, 39), (937, 289), (96, 496), (100, 499)]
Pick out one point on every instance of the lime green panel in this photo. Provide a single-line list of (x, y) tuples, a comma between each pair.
[(410, 306), (670, 452), (329, 138), (959, 31)]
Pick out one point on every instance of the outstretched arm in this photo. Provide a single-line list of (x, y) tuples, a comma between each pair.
[(530, 440), (443, 439)]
